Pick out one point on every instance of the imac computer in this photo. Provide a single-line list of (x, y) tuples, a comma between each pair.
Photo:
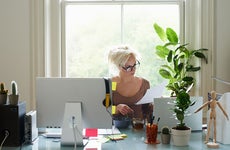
[(52, 94)]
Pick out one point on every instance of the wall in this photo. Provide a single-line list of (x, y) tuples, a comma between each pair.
[(15, 51), (222, 45)]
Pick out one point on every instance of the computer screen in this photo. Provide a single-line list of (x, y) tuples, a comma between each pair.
[(53, 93)]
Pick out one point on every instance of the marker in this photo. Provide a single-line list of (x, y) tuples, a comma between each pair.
[(151, 120), (158, 120)]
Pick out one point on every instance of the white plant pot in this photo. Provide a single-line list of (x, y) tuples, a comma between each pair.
[(180, 137), (13, 99)]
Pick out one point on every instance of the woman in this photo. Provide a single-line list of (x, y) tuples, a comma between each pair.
[(129, 88)]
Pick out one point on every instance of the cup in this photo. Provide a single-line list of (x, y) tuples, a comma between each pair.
[(138, 123), (151, 134)]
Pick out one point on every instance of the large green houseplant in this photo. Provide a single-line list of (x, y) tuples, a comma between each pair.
[(178, 67), (179, 70)]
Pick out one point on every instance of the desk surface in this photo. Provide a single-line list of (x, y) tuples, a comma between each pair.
[(134, 141)]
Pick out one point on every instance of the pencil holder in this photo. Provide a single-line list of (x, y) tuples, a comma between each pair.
[(151, 134)]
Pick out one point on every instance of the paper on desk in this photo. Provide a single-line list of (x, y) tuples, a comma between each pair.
[(154, 92), (93, 145)]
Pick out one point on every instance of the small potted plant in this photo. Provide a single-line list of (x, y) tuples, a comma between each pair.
[(3, 94), (13, 97), (181, 132), (165, 135)]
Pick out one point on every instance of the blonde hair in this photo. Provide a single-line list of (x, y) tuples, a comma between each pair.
[(119, 55)]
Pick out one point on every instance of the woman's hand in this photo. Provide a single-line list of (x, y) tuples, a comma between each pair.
[(124, 109)]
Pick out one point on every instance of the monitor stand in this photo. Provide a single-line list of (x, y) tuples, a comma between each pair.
[(72, 125)]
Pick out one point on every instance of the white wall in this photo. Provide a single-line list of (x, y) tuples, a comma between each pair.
[(15, 54), (222, 45), (18, 37)]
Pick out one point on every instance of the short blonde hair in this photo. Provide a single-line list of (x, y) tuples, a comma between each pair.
[(119, 55)]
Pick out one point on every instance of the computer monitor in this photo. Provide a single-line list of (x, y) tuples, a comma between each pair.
[(53, 93)]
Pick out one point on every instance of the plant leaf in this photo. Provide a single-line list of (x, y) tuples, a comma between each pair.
[(188, 79), (192, 69), (180, 67), (171, 35), (165, 74), (180, 116), (202, 49), (160, 32), (200, 55), (169, 58), (162, 51)]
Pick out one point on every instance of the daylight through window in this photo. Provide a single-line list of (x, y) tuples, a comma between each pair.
[(92, 28)]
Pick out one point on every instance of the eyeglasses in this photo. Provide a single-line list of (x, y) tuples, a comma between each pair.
[(131, 68)]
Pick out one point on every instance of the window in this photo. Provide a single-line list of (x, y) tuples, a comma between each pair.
[(92, 27)]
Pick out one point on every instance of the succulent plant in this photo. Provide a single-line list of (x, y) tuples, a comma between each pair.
[(165, 135), (14, 88), (3, 90), (165, 130), (13, 97)]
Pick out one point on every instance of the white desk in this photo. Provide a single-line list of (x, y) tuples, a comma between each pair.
[(134, 141)]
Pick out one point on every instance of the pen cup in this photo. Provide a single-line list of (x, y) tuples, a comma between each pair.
[(151, 134)]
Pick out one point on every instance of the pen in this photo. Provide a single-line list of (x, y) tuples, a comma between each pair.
[(158, 120), (151, 120)]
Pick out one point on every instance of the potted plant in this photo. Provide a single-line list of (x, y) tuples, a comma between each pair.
[(178, 70), (3, 94), (13, 98), (181, 132), (165, 135)]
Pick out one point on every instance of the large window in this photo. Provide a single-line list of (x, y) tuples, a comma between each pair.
[(92, 27)]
